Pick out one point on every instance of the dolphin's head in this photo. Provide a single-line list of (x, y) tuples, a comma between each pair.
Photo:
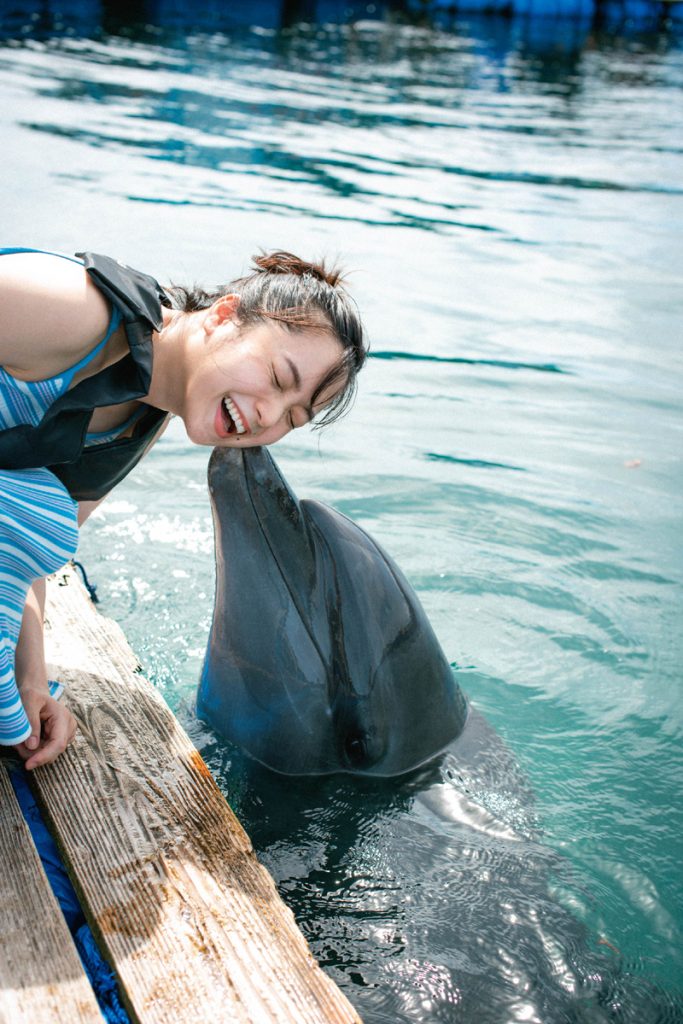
[(320, 658)]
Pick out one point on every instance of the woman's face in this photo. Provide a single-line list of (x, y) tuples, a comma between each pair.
[(251, 386)]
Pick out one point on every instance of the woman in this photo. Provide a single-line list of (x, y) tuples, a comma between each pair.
[(94, 358)]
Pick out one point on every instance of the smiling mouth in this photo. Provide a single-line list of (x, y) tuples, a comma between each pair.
[(232, 420)]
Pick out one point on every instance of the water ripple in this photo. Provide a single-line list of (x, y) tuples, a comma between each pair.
[(474, 463), (503, 364)]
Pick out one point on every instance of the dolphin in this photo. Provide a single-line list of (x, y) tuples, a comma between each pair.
[(320, 657)]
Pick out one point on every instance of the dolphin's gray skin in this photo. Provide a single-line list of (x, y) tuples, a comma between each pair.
[(320, 658)]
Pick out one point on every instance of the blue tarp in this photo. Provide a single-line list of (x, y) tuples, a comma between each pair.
[(99, 972)]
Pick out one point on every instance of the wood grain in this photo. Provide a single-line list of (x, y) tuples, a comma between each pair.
[(42, 980), (191, 921)]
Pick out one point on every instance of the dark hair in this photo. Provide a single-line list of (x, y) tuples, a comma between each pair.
[(297, 294)]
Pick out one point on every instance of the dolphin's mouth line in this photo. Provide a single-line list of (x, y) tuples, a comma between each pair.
[(339, 684), (344, 678), (295, 602)]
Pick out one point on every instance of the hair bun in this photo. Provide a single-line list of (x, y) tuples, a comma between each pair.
[(287, 263)]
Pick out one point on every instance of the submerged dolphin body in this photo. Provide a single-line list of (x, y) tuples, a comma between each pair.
[(320, 657)]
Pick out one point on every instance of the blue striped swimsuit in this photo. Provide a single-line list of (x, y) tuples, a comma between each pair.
[(38, 522)]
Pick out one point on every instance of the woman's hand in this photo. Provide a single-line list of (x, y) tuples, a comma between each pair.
[(52, 724), (52, 727)]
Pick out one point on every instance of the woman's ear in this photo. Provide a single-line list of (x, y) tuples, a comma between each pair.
[(220, 312)]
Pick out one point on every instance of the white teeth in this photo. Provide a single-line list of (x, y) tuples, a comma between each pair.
[(237, 419)]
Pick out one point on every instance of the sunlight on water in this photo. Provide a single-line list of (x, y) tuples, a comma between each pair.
[(509, 199)]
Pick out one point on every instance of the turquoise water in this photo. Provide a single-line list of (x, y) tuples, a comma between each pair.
[(510, 201)]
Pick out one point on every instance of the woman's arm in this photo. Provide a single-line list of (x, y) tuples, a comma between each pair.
[(52, 724), (51, 314)]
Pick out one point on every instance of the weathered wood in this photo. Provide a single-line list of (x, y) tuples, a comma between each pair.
[(42, 980), (191, 922)]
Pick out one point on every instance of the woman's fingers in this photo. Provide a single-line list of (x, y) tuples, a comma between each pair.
[(33, 701), (58, 728)]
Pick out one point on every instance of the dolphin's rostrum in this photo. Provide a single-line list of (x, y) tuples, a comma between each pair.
[(320, 657)]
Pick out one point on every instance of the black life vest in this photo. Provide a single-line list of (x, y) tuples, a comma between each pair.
[(58, 440)]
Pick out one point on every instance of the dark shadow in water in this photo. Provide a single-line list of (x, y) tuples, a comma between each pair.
[(429, 897)]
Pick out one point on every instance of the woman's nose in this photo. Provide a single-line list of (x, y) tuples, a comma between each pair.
[(270, 411)]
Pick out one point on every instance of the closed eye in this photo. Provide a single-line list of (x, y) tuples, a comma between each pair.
[(299, 422), (295, 385)]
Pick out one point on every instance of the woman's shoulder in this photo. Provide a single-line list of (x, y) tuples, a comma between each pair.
[(51, 314)]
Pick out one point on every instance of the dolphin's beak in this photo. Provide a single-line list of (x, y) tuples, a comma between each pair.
[(246, 468)]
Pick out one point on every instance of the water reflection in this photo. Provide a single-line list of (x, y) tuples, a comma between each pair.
[(375, 123), (560, 29)]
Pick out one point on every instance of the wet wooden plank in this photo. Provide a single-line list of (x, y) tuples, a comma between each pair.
[(42, 980), (191, 922)]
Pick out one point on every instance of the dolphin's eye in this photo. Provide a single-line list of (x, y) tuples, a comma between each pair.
[(355, 748)]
